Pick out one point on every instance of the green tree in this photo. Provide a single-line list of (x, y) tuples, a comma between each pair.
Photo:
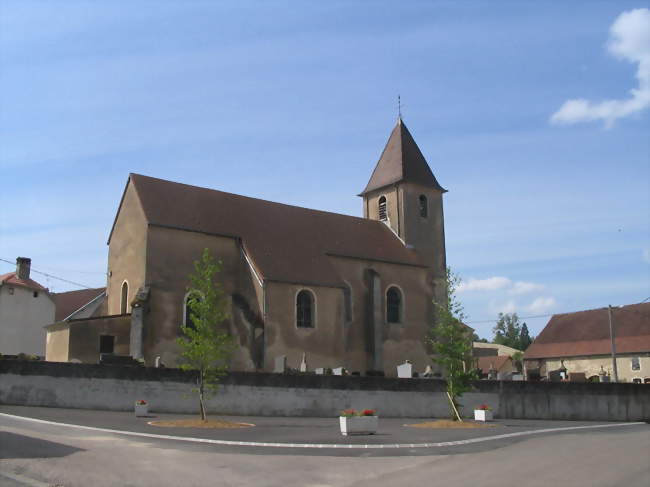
[(451, 343), (507, 330), (518, 360), (205, 342), (476, 338), (524, 338)]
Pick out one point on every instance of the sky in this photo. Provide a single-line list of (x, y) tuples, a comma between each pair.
[(534, 115)]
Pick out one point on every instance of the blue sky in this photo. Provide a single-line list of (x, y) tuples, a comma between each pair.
[(548, 205)]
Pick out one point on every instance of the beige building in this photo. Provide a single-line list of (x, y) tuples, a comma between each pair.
[(344, 291), (25, 306), (580, 343)]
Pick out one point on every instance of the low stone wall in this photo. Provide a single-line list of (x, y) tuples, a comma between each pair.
[(261, 394)]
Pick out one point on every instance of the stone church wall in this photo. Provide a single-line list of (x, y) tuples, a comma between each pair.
[(170, 260)]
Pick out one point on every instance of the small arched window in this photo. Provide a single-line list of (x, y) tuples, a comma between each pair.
[(393, 305), (305, 309), (124, 301), (187, 310), (424, 209), (383, 216)]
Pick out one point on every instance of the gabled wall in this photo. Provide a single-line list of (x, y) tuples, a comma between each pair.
[(126, 251), (22, 318)]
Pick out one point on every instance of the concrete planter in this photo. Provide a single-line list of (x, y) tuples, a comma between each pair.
[(483, 415), (359, 425), (141, 410)]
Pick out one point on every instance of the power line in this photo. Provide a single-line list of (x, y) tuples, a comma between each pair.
[(540, 316), (51, 276)]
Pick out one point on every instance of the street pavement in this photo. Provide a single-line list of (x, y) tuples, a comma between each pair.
[(40, 454)]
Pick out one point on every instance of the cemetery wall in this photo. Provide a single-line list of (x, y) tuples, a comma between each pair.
[(109, 387)]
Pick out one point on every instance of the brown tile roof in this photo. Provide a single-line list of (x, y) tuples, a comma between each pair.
[(496, 361), (68, 303), (401, 160), (587, 333), (12, 279), (286, 243)]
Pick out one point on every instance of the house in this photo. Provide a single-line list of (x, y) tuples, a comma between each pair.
[(580, 343), (481, 349), (25, 306), (342, 290)]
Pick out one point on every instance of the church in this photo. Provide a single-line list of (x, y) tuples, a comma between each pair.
[(339, 290)]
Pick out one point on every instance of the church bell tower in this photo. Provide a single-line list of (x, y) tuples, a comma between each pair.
[(404, 194)]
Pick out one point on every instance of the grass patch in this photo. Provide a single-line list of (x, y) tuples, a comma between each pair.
[(197, 423), (446, 423)]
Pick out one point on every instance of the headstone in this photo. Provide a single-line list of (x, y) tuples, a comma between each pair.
[(337, 371), (577, 377), (517, 377), (303, 363), (428, 372), (158, 362), (280, 364), (405, 370), (319, 371)]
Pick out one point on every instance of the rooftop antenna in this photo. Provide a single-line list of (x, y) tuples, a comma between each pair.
[(399, 107)]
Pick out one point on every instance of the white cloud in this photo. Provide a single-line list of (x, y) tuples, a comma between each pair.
[(521, 287), (489, 284), (629, 40), (499, 283), (509, 306), (541, 305)]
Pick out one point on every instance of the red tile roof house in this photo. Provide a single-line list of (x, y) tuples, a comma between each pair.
[(502, 365), (580, 342), (342, 291), (25, 307)]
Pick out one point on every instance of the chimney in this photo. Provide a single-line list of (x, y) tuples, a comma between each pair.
[(23, 264)]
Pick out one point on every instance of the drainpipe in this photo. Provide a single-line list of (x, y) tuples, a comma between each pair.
[(612, 337)]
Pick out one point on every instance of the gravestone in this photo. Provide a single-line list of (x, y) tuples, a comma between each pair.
[(280, 364), (337, 371), (303, 363), (319, 371), (405, 370)]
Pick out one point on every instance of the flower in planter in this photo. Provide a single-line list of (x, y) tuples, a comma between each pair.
[(141, 402), (368, 412), (483, 407), (348, 413)]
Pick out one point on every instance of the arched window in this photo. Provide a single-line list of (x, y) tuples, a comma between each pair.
[(424, 210), (393, 305), (187, 312), (305, 309), (124, 302), (383, 216)]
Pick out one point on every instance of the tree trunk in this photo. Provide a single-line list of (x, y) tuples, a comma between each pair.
[(201, 405)]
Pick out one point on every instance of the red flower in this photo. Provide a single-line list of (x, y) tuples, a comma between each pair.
[(484, 407), (368, 412)]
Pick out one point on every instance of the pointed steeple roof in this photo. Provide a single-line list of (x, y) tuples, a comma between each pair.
[(401, 160)]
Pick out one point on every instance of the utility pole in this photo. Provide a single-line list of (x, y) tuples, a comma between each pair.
[(612, 337)]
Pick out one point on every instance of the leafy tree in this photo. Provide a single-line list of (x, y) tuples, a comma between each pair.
[(476, 338), (507, 330), (451, 343), (205, 342), (524, 338), (518, 359)]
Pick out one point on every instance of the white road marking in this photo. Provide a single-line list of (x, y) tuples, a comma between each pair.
[(323, 445), (16, 477)]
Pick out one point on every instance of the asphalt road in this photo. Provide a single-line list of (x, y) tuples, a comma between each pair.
[(43, 455)]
